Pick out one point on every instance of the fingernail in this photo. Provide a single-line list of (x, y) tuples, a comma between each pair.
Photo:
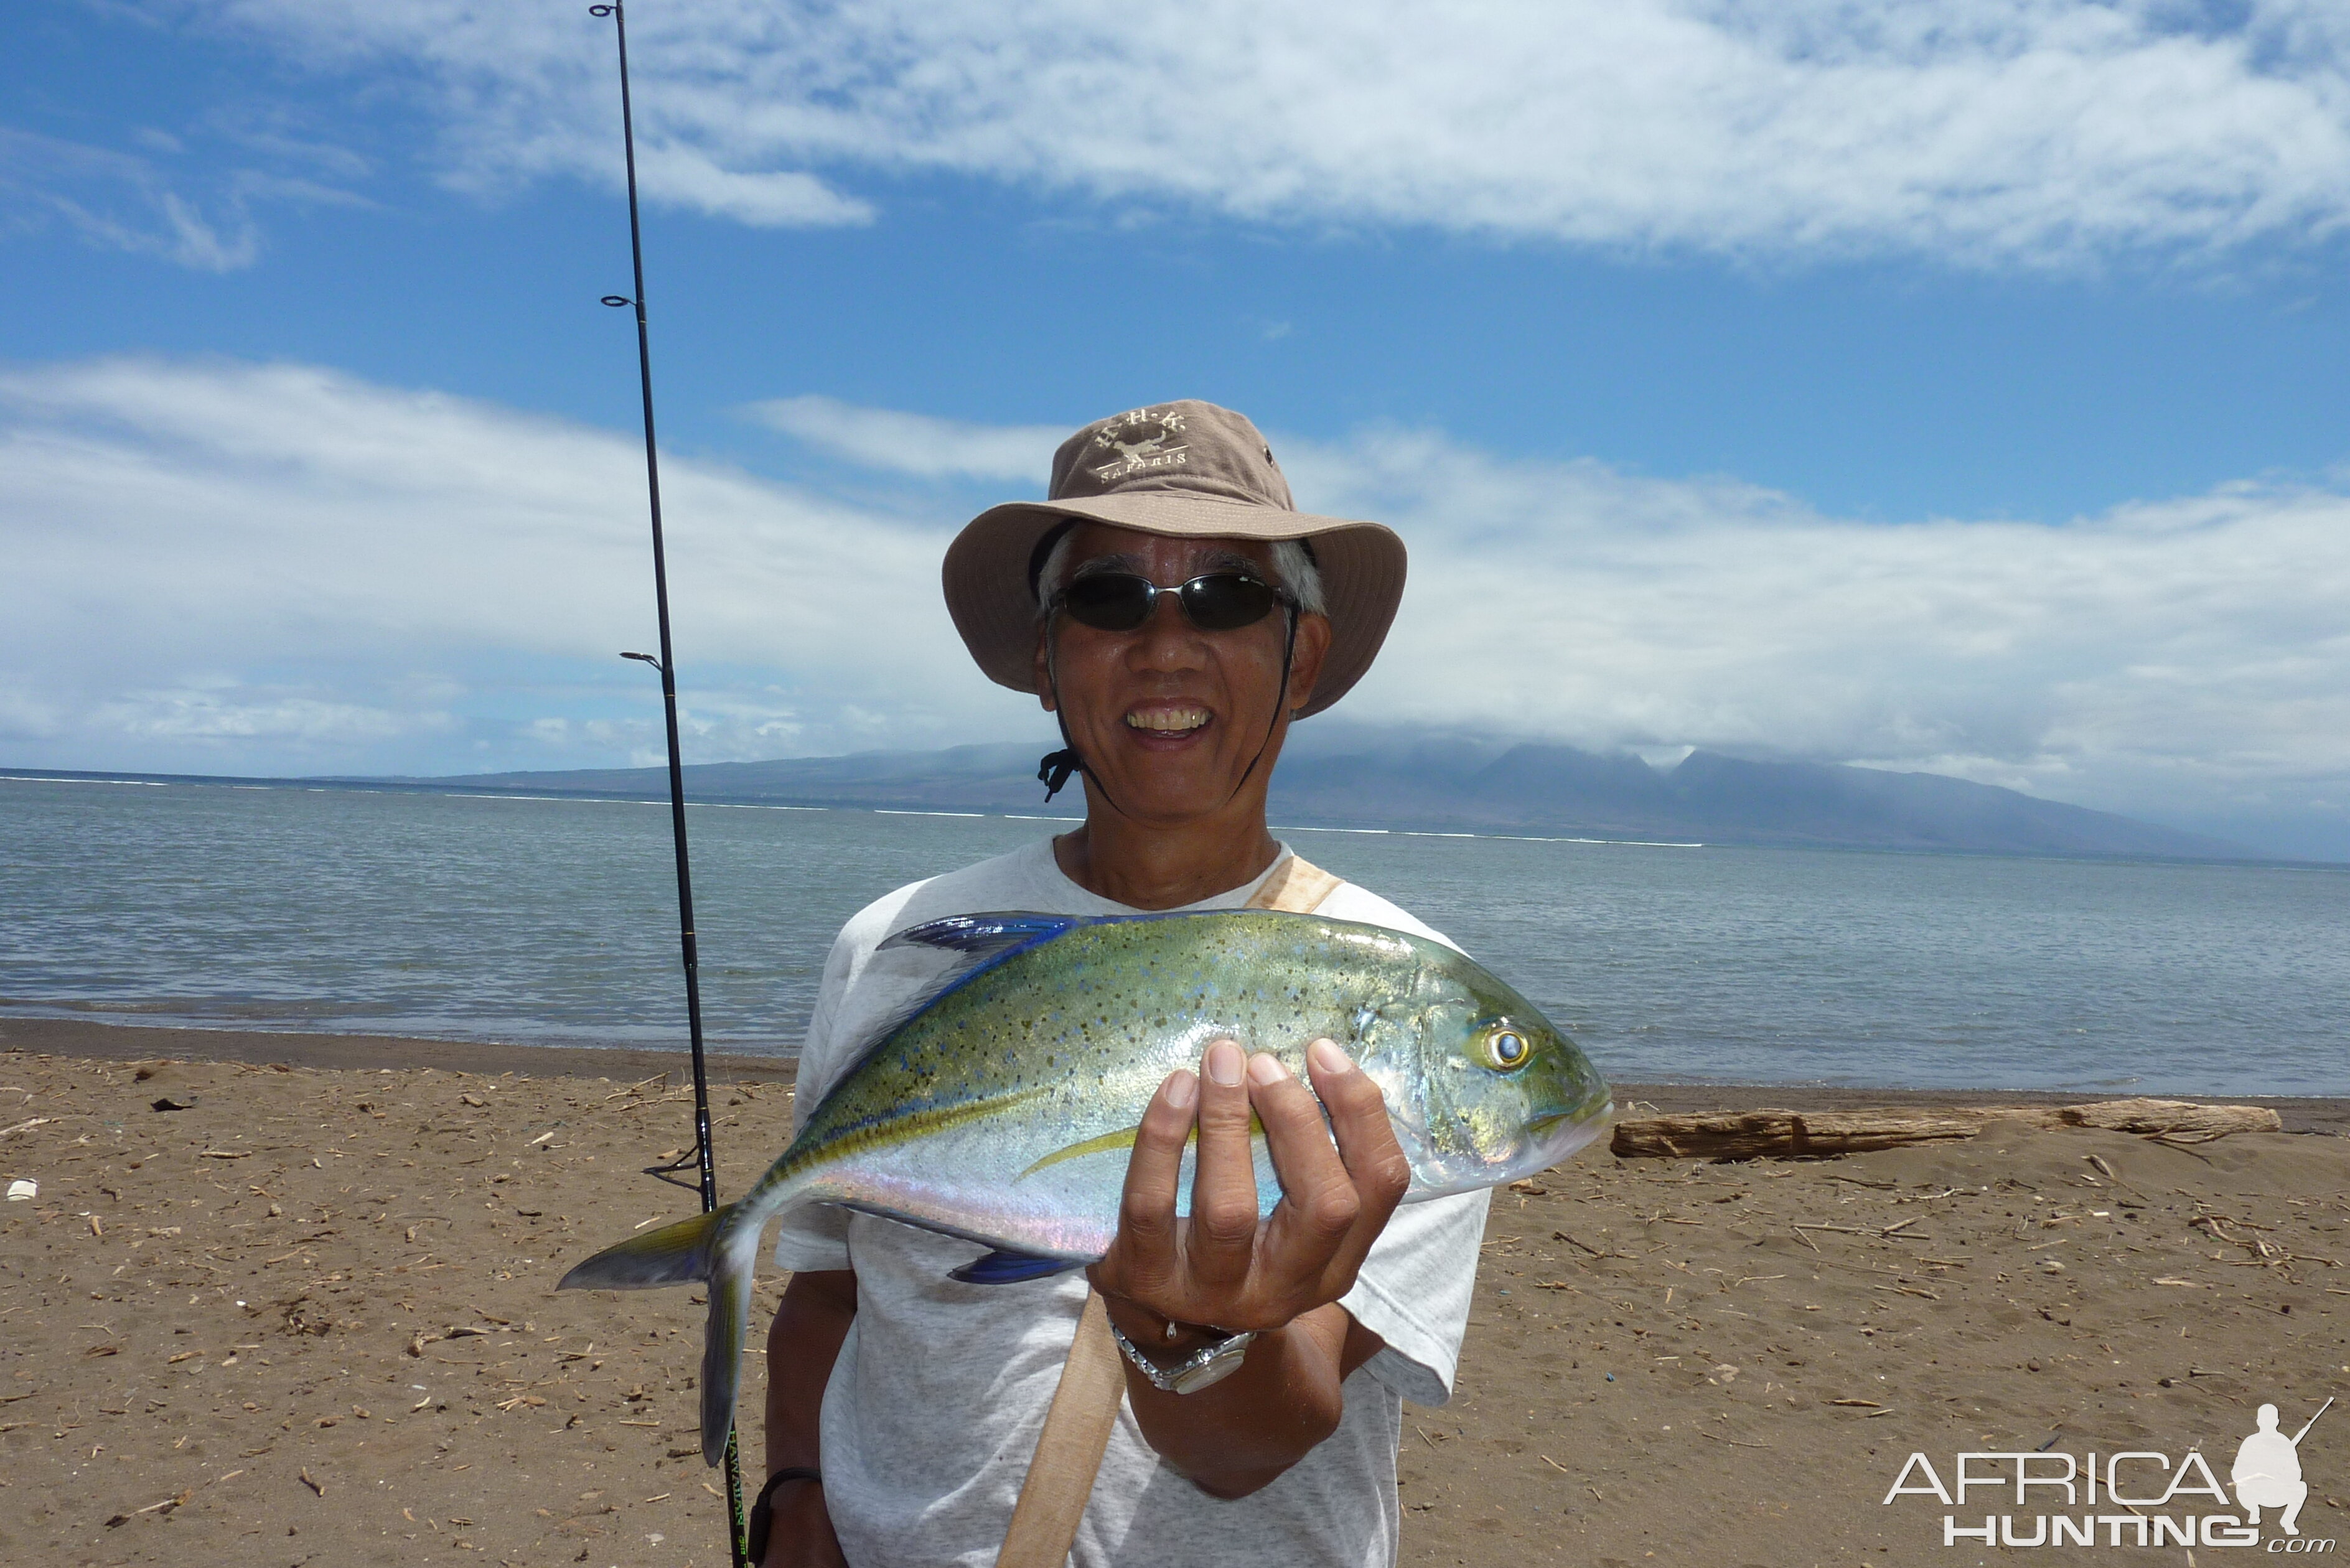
[(1182, 1088), (1224, 1062), (1329, 1058), (1266, 1069)]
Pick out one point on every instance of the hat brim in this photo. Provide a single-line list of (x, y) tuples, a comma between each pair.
[(987, 573)]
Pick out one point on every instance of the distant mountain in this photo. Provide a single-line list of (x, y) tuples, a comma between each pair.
[(1340, 776)]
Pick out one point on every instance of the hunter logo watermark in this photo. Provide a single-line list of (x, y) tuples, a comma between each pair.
[(1140, 438), (2134, 1499), (2267, 1471)]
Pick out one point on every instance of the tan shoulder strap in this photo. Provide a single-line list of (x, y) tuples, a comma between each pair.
[(1296, 886), (1085, 1405), (1069, 1452)]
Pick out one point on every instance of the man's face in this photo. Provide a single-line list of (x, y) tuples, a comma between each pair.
[(1169, 716)]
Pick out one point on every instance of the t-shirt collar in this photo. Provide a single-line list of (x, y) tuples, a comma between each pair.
[(1076, 897)]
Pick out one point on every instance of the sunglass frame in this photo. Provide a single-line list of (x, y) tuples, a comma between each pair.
[(1280, 598)]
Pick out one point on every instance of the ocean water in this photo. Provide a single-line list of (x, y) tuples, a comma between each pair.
[(553, 921)]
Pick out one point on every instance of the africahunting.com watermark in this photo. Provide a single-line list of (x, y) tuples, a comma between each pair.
[(2131, 1498)]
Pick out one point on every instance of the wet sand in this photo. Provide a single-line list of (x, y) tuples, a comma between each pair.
[(303, 1313)]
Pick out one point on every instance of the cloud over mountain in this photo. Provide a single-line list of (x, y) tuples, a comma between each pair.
[(222, 566)]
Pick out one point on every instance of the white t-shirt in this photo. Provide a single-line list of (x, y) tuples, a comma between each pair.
[(941, 1388)]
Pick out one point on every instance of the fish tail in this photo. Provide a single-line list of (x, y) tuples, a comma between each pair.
[(709, 1249), (678, 1255), (737, 1263)]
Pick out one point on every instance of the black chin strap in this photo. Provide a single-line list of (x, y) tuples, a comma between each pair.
[(1280, 701), (1053, 770)]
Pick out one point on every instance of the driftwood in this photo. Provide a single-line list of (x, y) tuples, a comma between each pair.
[(1748, 1135)]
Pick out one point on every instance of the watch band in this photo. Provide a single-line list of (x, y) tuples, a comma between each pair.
[(763, 1513), (1204, 1368)]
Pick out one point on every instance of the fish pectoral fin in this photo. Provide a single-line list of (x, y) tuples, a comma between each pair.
[(1004, 1267), (1110, 1142)]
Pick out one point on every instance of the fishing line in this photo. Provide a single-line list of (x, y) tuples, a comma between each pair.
[(736, 1532)]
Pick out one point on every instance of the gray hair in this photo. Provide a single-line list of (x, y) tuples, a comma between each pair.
[(1293, 568)]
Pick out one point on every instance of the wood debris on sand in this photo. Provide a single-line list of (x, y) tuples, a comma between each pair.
[(1749, 1134)]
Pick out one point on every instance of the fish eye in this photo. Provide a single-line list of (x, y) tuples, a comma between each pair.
[(1507, 1048)]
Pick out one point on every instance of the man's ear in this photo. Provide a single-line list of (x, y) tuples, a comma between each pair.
[(1305, 660), (1044, 666)]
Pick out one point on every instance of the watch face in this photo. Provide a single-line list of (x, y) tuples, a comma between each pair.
[(1215, 1369), (1209, 1365)]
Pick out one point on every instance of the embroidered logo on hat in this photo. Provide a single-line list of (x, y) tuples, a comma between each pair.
[(1139, 437)]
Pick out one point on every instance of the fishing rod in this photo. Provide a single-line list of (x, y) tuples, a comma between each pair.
[(736, 1532)]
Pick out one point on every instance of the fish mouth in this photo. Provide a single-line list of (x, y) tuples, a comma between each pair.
[(1587, 1111), (1561, 1133)]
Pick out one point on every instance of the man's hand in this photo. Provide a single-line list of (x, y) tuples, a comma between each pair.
[(1222, 1267)]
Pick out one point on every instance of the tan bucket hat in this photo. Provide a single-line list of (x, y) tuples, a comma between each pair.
[(1188, 469)]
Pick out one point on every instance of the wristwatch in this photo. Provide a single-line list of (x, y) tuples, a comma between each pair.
[(1207, 1366)]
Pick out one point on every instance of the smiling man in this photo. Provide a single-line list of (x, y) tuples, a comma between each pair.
[(1175, 611)]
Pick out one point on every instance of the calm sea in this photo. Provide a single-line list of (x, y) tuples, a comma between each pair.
[(553, 921)]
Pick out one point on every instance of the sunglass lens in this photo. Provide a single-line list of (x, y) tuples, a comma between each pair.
[(1115, 601), (1108, 602), (1226, 601)]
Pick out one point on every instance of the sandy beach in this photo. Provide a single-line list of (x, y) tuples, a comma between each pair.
[(283, 1300)]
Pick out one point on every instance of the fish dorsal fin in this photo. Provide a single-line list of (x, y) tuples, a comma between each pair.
[(979, 943), (990, 939), (975, 943)]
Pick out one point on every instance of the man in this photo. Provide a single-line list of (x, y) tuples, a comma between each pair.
[(1174, 611), (2267, 1471)]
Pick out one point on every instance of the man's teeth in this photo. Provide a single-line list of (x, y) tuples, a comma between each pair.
[(1167, 721)]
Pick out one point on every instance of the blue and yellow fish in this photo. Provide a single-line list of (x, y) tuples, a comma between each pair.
[(1001, 1105)]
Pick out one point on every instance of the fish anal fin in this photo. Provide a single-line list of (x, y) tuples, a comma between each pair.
[(1003, 1267)]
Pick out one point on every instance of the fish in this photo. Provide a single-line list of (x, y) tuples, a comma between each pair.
[(1000, 1106)]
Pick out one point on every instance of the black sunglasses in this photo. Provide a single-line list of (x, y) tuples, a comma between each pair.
[(1218, 601)]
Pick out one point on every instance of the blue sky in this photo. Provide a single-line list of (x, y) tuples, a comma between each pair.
[(1951, 384)]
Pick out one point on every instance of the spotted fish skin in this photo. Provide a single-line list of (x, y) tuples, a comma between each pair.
[(1002, 1109)]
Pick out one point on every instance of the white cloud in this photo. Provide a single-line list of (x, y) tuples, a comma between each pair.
[(192, 713), (688, 177), (289, 567), (191, 206), (1985, 132), (120, 201), (916, 444), (2184, 657), (207, 559)]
